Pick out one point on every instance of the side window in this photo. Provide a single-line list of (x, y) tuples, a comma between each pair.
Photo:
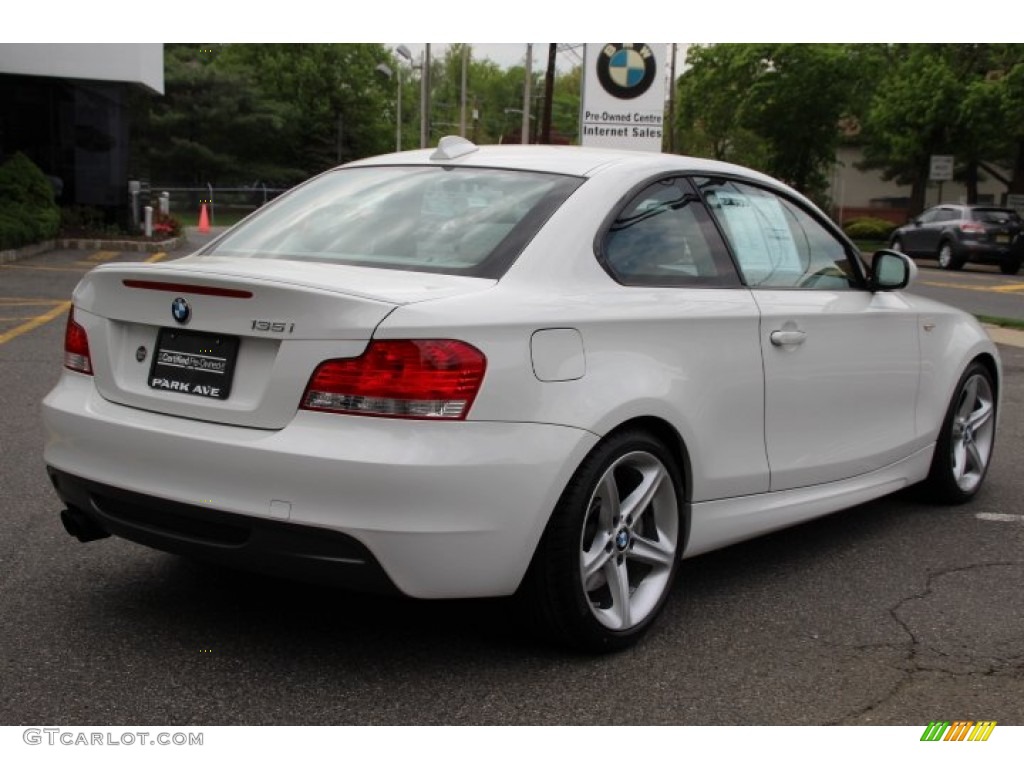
[(947, 214), (776, 242), (928, 216), (664, 236)]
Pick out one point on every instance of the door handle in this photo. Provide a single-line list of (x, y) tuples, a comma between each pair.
[(787, 338)]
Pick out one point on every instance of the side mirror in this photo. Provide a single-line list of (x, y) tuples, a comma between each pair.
[(891, 271)]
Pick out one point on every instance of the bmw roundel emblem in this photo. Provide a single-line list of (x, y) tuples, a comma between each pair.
[(626, 70), (181, 310)]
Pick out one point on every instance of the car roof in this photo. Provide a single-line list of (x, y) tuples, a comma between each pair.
[(974, 206), (570, 160)]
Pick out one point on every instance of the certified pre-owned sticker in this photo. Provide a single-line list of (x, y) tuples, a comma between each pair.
[(194, 363)]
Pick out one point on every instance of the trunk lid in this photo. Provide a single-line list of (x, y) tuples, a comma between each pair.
[(255, 330)]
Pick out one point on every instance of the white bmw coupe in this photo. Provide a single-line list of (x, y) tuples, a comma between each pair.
[(473, 371)]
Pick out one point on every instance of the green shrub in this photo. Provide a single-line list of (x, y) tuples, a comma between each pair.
[(868, 229), (28, 212)]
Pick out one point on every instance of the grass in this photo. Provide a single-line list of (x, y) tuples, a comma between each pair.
[(870, 246), (1002, 322)]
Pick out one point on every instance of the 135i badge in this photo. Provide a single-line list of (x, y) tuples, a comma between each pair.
[(273, 326)]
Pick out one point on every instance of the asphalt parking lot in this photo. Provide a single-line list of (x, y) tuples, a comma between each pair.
[(895, 612)]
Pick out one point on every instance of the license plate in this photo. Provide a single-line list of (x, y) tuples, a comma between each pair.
[(192, 363), (1002, 238)]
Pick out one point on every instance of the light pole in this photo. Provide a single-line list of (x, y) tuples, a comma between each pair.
[(425, 96), (404, 53)]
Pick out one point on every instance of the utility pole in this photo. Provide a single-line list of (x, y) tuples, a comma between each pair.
[(672, 102), (549, 90), (526, 93)]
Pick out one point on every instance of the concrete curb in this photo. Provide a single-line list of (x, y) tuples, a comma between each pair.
[(1008, 336), (126, 246), (91, 244), (24, 252)]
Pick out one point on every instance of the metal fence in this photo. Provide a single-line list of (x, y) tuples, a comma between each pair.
[(223, 202)]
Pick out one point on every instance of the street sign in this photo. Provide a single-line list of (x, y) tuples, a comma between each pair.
[(941, 168), (623, 101)]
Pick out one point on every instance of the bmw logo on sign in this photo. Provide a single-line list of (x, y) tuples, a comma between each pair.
[(181, 310), (626, 70)]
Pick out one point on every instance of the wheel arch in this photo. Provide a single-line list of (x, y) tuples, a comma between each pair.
[(676, 446), (987, 360)]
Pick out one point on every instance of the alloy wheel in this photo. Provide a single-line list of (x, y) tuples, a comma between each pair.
[(630, 540), (973, 432)]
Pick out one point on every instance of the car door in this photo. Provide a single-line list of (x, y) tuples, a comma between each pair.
[(931, 232), (841, 363), (682, 303), (915, 235)]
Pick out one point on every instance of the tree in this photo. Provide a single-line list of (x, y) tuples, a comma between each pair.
[(214, 124), (338, 99), (994, 106), (776, 107), (711, 97), (951, 99), (796, 103)]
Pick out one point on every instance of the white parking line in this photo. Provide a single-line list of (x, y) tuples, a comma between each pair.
[(999, 517)]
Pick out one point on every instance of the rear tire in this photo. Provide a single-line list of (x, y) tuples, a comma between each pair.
[(1010, 267), (947, 259), (964, 448), (609, 556)]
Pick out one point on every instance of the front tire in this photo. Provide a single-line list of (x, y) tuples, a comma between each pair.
[(964, 448), (610, 553), (1011, 267)]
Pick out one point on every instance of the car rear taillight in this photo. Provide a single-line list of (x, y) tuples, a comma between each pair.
[(410, 379), (972, 227), (76, 346)]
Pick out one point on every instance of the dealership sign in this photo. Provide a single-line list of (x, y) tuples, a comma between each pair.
[(623, 104)]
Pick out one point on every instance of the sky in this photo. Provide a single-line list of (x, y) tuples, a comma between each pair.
[(508, 55), (502, 24)]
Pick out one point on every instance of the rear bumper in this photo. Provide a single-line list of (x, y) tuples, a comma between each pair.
[(238, 541), (989, 253), (445, 509)]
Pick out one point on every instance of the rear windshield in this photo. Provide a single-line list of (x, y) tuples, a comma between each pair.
[(995, 216), (459, 221)]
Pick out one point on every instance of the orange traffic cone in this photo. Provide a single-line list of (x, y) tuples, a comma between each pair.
[(204, 219)]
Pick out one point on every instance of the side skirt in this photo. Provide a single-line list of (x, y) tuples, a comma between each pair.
[(716, 524)]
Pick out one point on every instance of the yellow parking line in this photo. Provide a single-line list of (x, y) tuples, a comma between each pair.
[(960, 286), (156, 257), (1011, 287), (98, 258), (12, 302), (35, 322)]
